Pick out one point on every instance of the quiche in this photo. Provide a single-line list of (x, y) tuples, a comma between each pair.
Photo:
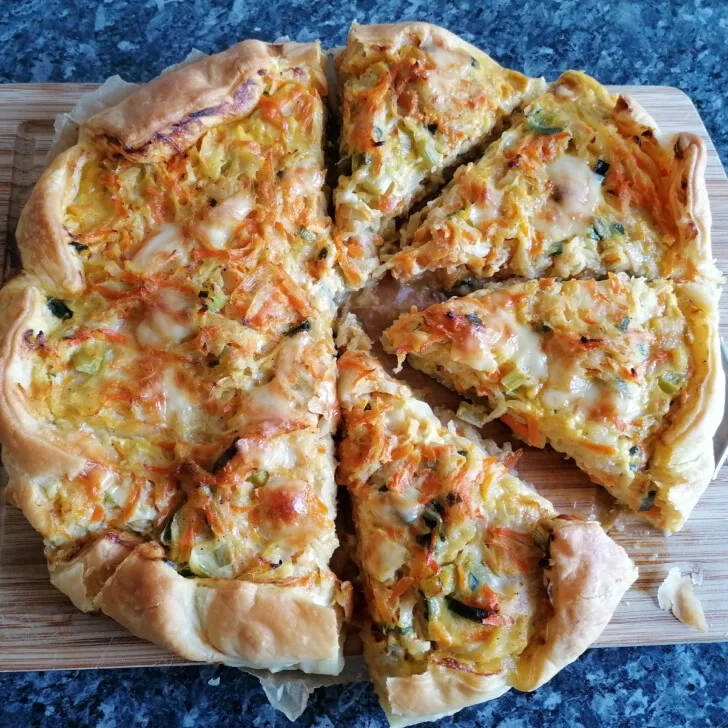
[(623, 375), (415, 100), (581, 186), (167, 366), (474, 584)]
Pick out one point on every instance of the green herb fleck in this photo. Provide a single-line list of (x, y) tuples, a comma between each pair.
[(307, 235), (670, 383), (88, 358), (59, 309), (474, 614), (600, 230), (513, 380), (303, 326), (259, 477), (396, 629), (215, 302), (432, 514), (543, 124), (623, 325), (555, 249), (473, 318), (601, 168)]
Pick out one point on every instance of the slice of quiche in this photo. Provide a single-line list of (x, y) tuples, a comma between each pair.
[(167, 368), (584, 184), (415, 99), (474, 584), (623, 375)]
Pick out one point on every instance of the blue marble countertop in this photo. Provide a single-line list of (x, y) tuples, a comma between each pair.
[(683, 44)]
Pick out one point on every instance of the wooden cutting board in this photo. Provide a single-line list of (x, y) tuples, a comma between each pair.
[(40, 629)]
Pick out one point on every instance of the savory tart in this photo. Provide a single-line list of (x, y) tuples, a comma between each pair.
[(623, 375), (474, 584), (581, 186), (415, 99), (167, 367)]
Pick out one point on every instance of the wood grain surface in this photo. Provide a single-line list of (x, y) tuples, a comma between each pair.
[(40, 629)]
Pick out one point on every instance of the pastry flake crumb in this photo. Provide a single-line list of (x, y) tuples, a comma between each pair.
[(676, 594)]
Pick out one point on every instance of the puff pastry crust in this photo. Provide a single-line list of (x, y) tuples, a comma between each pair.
[(623, 375), (581, 185), (416, 99), (168, 371), (473, 583), (167, 364)]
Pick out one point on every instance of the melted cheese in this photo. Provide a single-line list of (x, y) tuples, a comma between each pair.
[(180, 404), (384, 557), (463, 99), (581, 393), (165, 249), (551, 214), (591, 367), (438, 520), (222, 220), (575, 192), (167, 322), (487, 211), (501, 336), (196, 269)]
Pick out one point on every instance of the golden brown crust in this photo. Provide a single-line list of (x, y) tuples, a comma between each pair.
[(438, 692), (171, 112), (396, 34), (42, 239), (32, 455), (691, 208), (691, 258), (217, 620), (288, 624), (683, 461), (365, 228), (584, 580), (587, 577), (82, 575)]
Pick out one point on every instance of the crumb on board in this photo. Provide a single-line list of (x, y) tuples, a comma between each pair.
[(676, 594)]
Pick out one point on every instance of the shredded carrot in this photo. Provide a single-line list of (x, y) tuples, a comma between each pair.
[(598, 447), (400, 588), (430, 555), (529, 432), (511, 543), (111, 335)]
